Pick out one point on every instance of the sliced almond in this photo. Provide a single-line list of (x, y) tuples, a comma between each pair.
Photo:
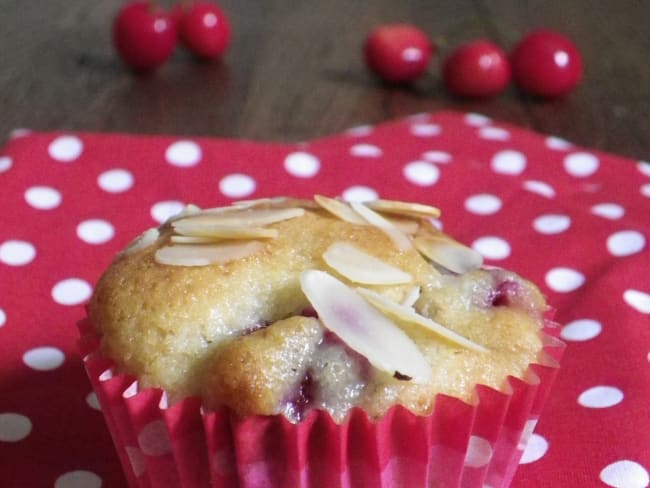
[(407, 209), (364, 328), (400, 239), (406, 226), (258, 202), (411, 297), (275, 202), (448, 253), (361, 267), (202, 229), (340, 209), (407, 314), (189, 210), (240, 218), (203, 255), (193, 240), (144, 240)]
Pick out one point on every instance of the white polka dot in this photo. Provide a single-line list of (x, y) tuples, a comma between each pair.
[(557, 143), (539, 187), (302, 164), (508, 162), (479, 452), (366, 151), (483, 204), (65, 148), (492, 247), (5, 163), (477, 120), (43, 197), (581, 330), (600, 397), (78, 479), (425, 129), (95, 231), (644, 167), (535, 449), (3, 317), (564, 280), (237, 185), (44, 358), (638, 300), (437, 156), (17, 253), (625, 474), (625, 243), (581, 164), (183, 154), (14, 427), (645, 190), (154, 439), (71, 291), (359, 194), (161, 211), (551, 223), (421, 173), (610, 211), (115, 180), (493, 134), (359, 130), (92, 401)]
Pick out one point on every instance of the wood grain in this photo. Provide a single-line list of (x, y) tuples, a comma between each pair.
[(294, 71)]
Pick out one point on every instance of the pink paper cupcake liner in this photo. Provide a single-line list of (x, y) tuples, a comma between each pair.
[(457, 445)]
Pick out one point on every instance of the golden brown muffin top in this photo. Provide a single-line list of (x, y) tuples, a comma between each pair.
[(283, 306)]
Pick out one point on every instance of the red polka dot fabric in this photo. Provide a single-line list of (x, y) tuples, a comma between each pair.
[(571, 219)]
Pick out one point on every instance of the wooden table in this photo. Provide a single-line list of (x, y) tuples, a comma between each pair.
[(294, 70)]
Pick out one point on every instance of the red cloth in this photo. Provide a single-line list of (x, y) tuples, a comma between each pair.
[(573, 220)]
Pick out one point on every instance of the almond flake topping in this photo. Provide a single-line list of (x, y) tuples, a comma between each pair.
[(205, 254), (406, 226), (147, 238), (448, 253), (406, 209), (274, 202), (360, 267), (407, 314), (189, 209), (400, 239), (191, 229), (411, 297), (219, 235), (239, 218), (364, 328), (340, 209)]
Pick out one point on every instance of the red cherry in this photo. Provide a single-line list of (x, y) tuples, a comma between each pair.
[(143, 35), (204, 30), (546, 63), (477, 69), (397, 52)]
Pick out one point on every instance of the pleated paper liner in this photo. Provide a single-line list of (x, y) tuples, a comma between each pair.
[(457, 445)]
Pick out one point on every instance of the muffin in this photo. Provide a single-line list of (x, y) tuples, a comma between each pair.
[(316, 343)]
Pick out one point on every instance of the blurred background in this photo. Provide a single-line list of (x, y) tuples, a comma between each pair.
[(294, 70)]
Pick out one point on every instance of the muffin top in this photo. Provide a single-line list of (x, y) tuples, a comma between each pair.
[(282, 306)]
